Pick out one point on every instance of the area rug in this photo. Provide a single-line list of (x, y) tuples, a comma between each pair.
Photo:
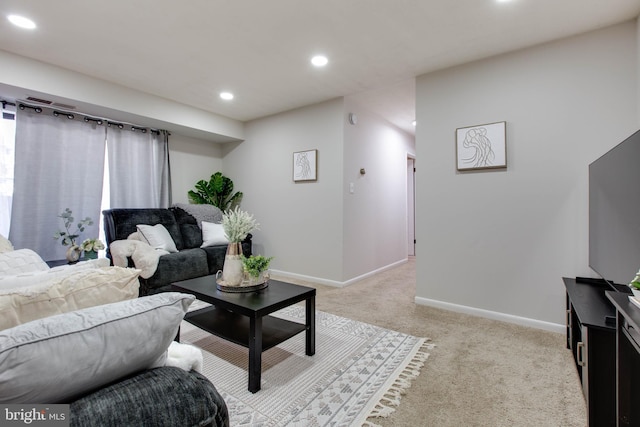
[(359, 371)]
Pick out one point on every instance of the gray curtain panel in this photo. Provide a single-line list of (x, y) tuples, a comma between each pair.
[(139, 175), (59, 163)]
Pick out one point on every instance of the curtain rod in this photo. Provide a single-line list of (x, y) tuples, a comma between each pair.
[(89, 118), (5, 103)]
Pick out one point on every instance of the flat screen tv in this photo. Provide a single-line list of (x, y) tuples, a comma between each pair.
[(614, 213)]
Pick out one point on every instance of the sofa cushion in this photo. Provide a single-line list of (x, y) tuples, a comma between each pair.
[(191, 236), (213, 234), (59, 358), (21, 261), (121, 222), (156, 397), (200, 213), (183, 265), (157, 237), (65, 291), (189, 228)]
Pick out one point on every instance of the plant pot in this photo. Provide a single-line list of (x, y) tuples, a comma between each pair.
[(73, 254), (233, 270), (250, 280), (91, 254)]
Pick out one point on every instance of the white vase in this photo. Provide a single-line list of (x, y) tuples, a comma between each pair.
[(233, 270), (73, 254)]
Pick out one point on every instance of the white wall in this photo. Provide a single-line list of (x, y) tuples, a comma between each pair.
[(638, 62), (191, 160), (300, 223), (497, 243), (21, 77), (319, 230), (375, 214)]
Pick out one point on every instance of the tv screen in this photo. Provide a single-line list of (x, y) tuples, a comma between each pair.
[(614, 212)]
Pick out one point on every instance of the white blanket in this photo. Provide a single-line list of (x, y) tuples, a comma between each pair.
[(144, 256), (184, 356)]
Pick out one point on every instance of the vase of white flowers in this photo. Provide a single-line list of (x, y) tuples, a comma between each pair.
[(91, 248), (237, 225)]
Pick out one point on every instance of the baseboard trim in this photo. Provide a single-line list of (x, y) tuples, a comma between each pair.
[(334, 283), (279, 274), (493, 315)]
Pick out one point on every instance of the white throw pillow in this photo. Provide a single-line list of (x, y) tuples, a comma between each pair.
[(67, 291), (82, 265), (39, 277), (60, 358), (213, 234), (21, 261), (157, 236)]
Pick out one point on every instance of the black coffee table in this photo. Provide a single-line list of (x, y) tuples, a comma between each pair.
[(243, 318)]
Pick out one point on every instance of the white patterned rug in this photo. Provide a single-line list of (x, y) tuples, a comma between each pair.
[(358, 371)]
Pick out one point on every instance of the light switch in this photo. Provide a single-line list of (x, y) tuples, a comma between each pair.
[(352, 188)]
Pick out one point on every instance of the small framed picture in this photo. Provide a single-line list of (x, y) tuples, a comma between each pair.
[(305, 166), (482, 146)]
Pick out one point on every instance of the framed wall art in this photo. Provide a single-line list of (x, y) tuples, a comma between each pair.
[(482, 146), (305, 166)]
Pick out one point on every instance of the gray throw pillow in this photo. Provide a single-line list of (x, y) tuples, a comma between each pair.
[(59, 358)]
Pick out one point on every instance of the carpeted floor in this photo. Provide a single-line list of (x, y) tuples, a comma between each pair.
[(481, 372)]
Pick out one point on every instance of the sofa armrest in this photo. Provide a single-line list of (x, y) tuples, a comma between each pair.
[(161, 396)]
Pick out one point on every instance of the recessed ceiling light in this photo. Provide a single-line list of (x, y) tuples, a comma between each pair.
[(319, 61), (22, 22), (226, 95)]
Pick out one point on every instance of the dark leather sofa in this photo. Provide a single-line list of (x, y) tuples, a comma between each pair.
[(190, 261)]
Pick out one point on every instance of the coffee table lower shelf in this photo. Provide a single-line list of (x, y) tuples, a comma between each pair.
[(236, 327)]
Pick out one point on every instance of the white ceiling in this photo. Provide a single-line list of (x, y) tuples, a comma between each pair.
[(189, 51)]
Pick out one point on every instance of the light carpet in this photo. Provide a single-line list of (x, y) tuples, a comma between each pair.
[(359, 371)]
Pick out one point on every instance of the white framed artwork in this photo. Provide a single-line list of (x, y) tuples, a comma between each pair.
[(305, 166), (482, 146)]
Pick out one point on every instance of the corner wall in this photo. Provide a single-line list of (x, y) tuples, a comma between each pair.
[(191, 160), (300, 222), (318, 230), (375, 214), (497, 243)]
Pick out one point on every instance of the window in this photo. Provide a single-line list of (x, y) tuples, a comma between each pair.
[(7, 156)]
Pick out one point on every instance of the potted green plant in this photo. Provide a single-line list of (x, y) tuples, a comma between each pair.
[(218, 191), (236, 225), (635, 285), (68, 237), (256, 267)]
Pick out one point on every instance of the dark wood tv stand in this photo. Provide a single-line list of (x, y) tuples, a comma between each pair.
[(591, 337), (628, 359)]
